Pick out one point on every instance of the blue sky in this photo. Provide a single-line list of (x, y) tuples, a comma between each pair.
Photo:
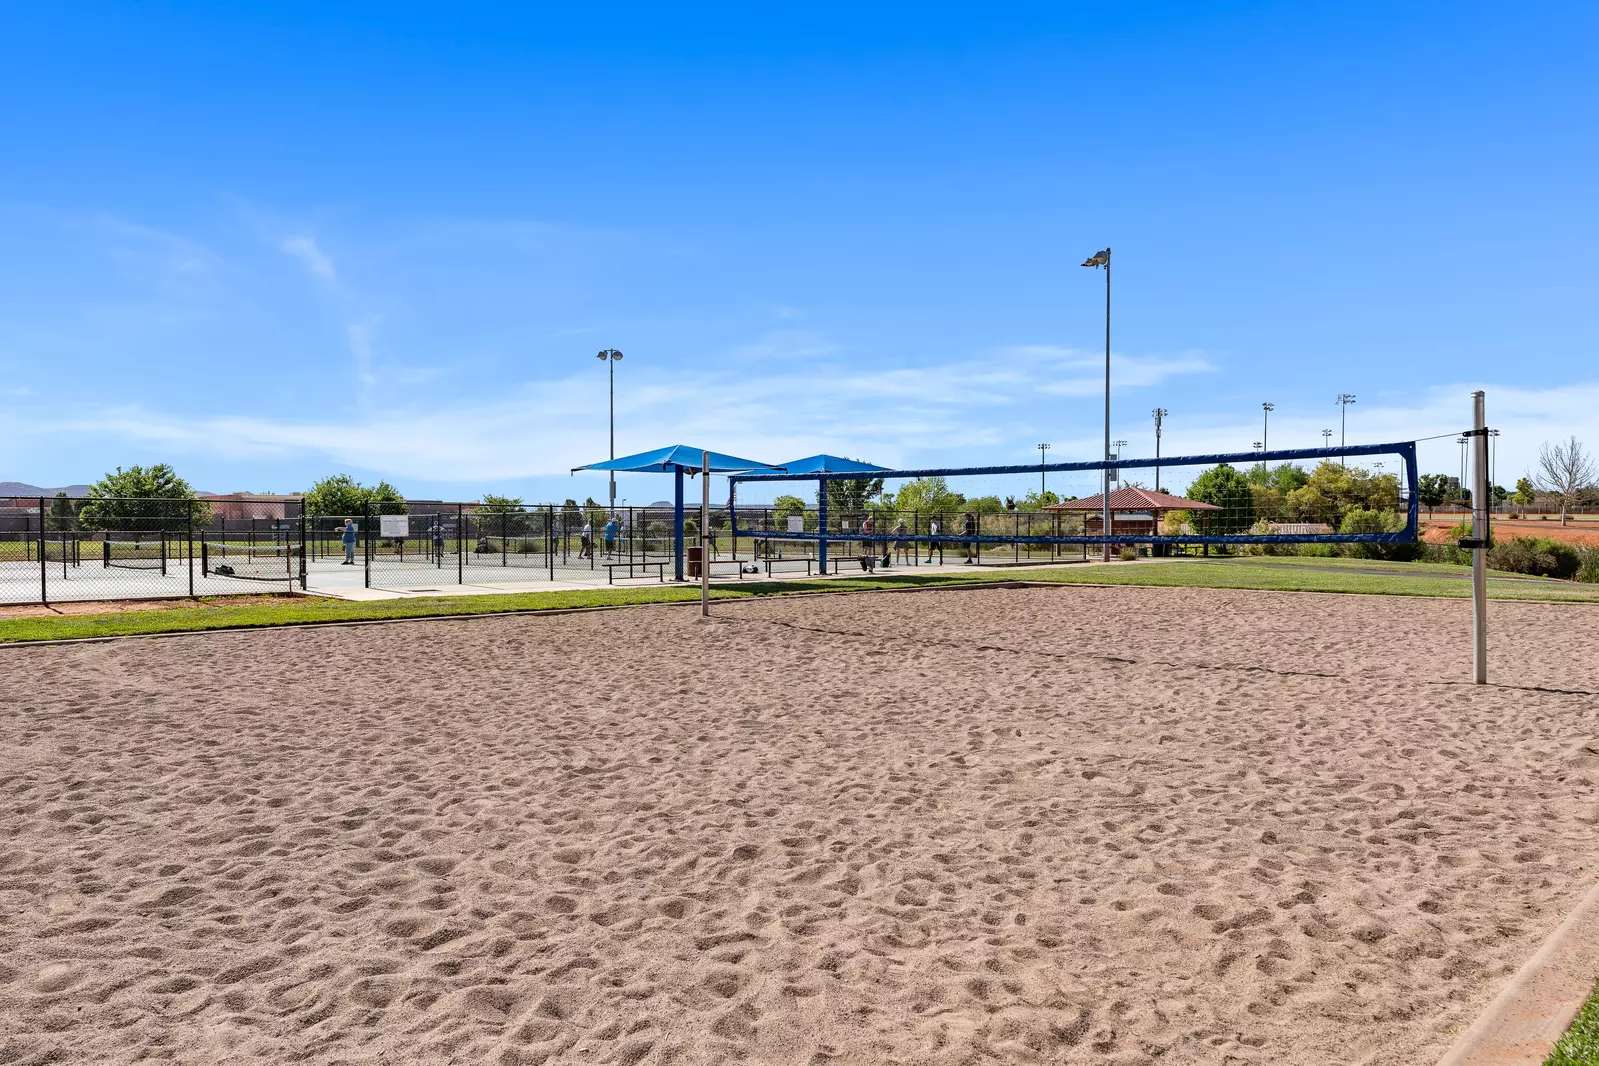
[(269, 242)]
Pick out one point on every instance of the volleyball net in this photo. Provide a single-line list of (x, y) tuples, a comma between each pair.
[(1284, 501)]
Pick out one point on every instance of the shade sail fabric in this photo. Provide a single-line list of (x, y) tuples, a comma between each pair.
[(677, 457), (824, 464)]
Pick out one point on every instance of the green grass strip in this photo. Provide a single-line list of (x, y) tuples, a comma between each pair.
[(1580, 1045), (1404, 580)]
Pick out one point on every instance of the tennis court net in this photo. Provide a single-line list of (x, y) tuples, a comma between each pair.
[(147, 552)]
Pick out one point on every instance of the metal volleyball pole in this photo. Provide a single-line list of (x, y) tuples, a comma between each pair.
[(705, 529), (1102, 259), (1479, 537)]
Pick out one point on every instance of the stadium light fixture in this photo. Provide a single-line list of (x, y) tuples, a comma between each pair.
[(1265, 420), (1326, 438), (1042, 458), (1343, 401), (1099, 259), (610, 357)]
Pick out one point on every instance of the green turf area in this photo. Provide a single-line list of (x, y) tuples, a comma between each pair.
[(1247, 573), (1580, 1045)]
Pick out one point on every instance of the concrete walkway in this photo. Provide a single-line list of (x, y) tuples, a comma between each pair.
[(348, 582)]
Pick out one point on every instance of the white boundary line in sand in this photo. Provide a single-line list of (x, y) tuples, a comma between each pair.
[(1530, 1013)]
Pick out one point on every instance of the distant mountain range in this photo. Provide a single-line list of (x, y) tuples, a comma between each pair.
[(22, 488)]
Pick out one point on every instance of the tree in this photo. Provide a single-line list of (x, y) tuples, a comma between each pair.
[(341, 496), (1037, 501), (63, 512), (1564, 470), (147, 498), (1334, 489), (386, 499), (786, 505), (1227, 488), (927, 495), (1526, 491), (851, 496), (493, 504), (1434, 489)]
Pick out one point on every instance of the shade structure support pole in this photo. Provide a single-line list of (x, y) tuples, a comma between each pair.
[(1479, 535), (821, 526), (677, 523), (705, 534)]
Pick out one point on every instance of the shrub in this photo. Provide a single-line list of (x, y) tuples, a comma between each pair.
[(1588, 565), (1128, 553), (1536, 555), (1366, 520)]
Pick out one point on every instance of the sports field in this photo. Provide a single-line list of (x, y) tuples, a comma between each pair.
[(1084, 825)]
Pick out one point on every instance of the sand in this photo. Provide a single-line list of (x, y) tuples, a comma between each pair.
[(1057, 825)]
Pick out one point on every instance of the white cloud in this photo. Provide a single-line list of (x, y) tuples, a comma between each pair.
[(971, 408), (315, 260)]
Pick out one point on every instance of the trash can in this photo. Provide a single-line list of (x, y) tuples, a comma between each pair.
[(695, 554)]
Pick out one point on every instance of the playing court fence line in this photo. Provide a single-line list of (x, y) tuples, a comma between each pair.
[(1271, 500), (60, 549), (105, 549)]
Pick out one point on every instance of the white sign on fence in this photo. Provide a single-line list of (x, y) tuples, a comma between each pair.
[(796, 523), (394, 525)]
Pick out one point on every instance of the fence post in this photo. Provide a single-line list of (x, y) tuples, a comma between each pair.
[(44, 588), (366, 542), (302, 546), (188, 544), (549, 535)]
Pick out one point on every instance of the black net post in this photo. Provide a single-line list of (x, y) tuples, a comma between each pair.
[(44, 589), (188, 544), (549, 537), (460, 544), (366, 541), (302, 546)]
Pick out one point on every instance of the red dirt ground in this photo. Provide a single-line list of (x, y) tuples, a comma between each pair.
[(1436, 530)]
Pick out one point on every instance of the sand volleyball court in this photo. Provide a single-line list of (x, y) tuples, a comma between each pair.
[(1063, 825)]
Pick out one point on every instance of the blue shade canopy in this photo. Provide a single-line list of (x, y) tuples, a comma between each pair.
[(676, 457), (829, 464)]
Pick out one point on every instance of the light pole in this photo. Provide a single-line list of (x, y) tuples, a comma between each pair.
[(1265, 419), (1343, 401), (1326, 438), (610, 357), (1042, 448), (1160, 413), (1097, 260)]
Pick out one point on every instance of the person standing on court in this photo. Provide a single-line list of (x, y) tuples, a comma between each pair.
[(586, 551), (611, 529), (903, 548), (969, 531), (932, 531), (348, 539)]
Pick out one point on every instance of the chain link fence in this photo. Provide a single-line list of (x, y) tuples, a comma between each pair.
[(62, 549)]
